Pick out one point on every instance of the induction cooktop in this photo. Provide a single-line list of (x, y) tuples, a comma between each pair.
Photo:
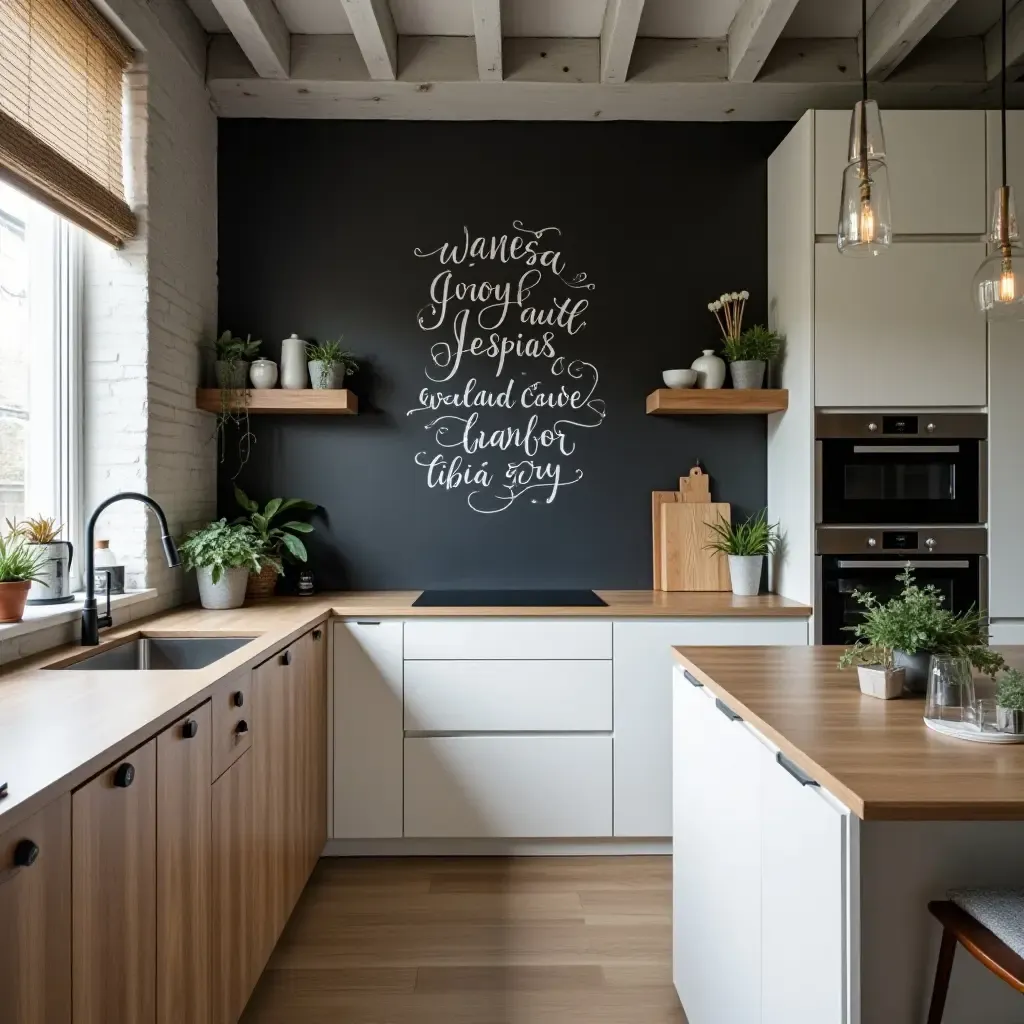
[(509, 598)]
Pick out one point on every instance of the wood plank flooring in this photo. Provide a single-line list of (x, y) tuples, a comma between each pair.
[(480, 940)]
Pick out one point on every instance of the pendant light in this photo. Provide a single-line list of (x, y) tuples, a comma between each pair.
[(865, 218), (999, 283)]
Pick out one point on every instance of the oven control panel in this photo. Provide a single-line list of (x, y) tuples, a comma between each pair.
[(925, 540)]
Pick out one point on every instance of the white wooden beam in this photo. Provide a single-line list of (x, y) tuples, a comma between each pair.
[(752, 34), (618, 34), (374, 29), (261, 33), (487, 27), (896, 27), (1014, 43)]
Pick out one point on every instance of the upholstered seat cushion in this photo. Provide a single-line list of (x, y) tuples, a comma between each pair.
[(1001, 911)]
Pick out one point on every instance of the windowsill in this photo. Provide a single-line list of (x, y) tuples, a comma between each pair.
[(41, 616)]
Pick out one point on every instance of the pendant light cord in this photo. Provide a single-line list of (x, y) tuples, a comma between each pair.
[(1003, 96), (864, 47)]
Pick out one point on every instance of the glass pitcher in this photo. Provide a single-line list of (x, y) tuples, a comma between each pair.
[(950, 690)]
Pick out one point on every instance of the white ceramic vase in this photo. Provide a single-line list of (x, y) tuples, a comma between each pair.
[(710, 370), (227, 592), (293, 363), (263, 374), (745, 573)]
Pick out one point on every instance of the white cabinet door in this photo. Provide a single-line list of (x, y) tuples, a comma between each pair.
[(802, 901), (368, 730), (899, 330), (643, 664), (936, 161)]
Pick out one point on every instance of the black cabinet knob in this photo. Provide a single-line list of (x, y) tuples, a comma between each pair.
[(190, 728), (238, 698), (242, 727), (125, 775), (286, 658), (317, 634), (25, 854)]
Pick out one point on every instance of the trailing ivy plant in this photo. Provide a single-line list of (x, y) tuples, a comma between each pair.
[(234, 402), (220, 546)]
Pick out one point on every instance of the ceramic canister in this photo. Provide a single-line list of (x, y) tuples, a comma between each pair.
[(263, 373)]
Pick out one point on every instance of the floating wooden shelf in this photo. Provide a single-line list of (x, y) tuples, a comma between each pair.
[(305, 402), (720, 401)]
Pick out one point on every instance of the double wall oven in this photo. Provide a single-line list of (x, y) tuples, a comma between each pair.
[(892, 491)]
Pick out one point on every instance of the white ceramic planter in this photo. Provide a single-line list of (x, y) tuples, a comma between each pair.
[(227, 592), (876, 681), (745, 573)]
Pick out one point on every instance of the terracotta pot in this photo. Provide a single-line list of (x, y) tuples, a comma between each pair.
[(262, 583), (12, 600)]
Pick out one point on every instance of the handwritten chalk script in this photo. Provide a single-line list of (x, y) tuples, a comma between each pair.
[(505, 400)]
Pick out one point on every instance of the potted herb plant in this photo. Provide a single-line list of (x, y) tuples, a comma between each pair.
[(20, 564), (746, 545), (329, 364), (276, 540), (749, 354), (222, 555), (54, 583), (233, 356), (1010, 701)]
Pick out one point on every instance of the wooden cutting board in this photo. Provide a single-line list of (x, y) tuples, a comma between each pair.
[(686, 562), (659, 498)]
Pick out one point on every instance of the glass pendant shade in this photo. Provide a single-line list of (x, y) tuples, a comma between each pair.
[(1003, 205), (866, 136), (999, 282), (865, 217)]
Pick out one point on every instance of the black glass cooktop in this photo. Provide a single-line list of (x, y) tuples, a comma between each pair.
[(510, 598)]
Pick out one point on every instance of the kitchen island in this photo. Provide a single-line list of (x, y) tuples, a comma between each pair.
[(812, 825)]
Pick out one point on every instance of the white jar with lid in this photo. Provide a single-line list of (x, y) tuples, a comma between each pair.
[(293, 363)]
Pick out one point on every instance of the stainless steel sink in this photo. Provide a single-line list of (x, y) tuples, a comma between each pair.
[(161, 652)]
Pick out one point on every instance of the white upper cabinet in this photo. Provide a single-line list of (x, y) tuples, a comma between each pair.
[(900, 329), (936, 161)]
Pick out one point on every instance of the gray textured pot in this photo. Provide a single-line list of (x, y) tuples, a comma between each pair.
[(747, 374), (916, 666), (333, 379), (227, 592), (231, 375)]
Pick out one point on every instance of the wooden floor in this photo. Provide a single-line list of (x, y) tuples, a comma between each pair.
[(476, 941)]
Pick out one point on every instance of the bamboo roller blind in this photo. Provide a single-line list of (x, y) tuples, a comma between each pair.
[(61, 75)]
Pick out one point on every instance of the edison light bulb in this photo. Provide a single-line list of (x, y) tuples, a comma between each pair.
[(1007, 284), (866, 230), (865, 222)]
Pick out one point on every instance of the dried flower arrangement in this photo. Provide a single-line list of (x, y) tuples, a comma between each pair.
[(728, 309)]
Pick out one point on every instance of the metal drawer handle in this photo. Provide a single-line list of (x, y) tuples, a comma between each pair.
[(801, 776), (317, 634), (691, 680), (951, 563), (906, 449), (727, 711), (286, 658)]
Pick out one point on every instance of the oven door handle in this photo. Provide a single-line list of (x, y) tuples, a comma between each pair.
[(906, 449), (952, 563)]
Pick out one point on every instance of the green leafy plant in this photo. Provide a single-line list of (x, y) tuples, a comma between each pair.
[(916, 621), (274, 538), (232, 350), (1010, 690), (20, 561), (220, 546), (757, 342), (330, 354), (755, 536), (37, 529)]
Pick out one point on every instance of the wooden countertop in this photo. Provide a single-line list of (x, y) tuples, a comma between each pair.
[(875, 756)]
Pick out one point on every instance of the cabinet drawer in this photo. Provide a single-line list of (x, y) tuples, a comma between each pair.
[(521, 640), (232, 721), (508, 787), (508, 696)]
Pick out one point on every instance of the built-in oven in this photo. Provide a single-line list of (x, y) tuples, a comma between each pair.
[(921, 468), (952, 559)]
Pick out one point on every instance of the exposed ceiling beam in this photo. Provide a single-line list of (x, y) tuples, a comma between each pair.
[(261, 33), (670, 80), (1014, 43), (752, 34), (618, 35), (374, 31), (896, 27), (487, 26)]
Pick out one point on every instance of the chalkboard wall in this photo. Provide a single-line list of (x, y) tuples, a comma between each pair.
[(601, 246)]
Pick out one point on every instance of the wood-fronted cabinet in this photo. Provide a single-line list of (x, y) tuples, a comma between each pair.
[(235, 964), (35, 918), (183, 889), (114, 893)]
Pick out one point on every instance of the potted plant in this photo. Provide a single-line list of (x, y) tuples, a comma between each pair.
[(222, 555), (913, 625), (276, 540), (54, 584), (20, 564), (1010, 701), (328, 364), (233, 356), (749, 354), (746, 545)]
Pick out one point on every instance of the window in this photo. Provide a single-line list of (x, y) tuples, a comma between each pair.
[(39, 363)]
